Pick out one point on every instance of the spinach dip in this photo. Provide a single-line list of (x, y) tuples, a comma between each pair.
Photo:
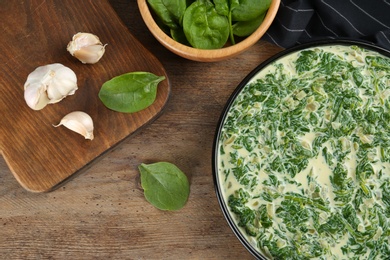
[(303, 155)]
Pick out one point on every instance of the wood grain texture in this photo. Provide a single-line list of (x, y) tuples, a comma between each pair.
[(102, 214), (36, 33)]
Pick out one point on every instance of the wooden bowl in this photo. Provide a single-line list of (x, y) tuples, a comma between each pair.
[(206, 55)]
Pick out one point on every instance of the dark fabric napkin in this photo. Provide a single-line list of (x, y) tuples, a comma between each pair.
[(300, 21)]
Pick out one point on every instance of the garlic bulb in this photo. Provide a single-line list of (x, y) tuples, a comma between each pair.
[(49, 84), (79, 122), (86, 47)]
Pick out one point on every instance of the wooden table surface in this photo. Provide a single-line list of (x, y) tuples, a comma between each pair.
[(102, 212)]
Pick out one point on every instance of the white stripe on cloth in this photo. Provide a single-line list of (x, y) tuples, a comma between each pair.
[(367, 14), (326, 27), (337, 12), (385, 36)]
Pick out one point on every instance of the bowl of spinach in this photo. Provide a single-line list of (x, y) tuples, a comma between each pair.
[(208, 30), (301, 154)]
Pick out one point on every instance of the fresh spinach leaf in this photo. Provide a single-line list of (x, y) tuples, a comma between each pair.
[(177, 8), (130, 92), (204, 27), (179, 36), (222, 7), (163, 13), (247, 10), (165, 186), (246, 28)]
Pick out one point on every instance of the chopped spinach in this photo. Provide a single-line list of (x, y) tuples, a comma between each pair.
[(307, 143)]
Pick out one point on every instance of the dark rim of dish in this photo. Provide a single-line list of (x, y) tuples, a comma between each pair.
[(319, 43)]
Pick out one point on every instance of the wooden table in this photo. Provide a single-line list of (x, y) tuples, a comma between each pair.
[(102, 213)]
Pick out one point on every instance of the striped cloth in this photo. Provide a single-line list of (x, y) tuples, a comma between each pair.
[(300, 21)]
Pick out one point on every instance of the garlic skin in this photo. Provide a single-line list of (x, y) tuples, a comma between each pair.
[(79, 122), (49, 84), (86, 47)]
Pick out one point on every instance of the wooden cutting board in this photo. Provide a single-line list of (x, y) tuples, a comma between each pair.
[(35, 33)]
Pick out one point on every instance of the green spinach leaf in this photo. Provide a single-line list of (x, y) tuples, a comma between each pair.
[(169, 11), (222, 7), (179, 36), (246, 28), (163, 14), (130, 92), (247, 10), (204, 27), (165, 186), (177, 8)]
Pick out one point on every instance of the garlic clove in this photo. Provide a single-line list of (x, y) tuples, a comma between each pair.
[(90, 54), (35, 96), (49, 84), (67, 81), (79, 122), (80, 40), (86, 47)]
